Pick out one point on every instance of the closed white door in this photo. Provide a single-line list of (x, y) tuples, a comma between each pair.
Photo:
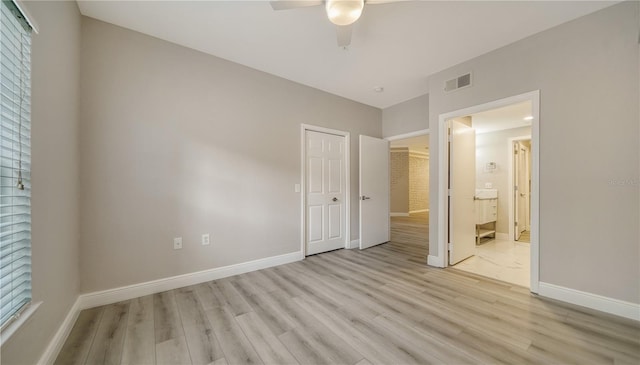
[(462, 185), (374, 191), (325, 192)]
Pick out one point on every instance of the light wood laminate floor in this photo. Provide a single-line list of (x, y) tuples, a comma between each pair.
[(378, 306)]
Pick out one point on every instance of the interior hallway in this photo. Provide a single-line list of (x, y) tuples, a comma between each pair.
[(410, 235)]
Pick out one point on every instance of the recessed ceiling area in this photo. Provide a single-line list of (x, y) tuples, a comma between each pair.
[(395, 45), (508, 117)]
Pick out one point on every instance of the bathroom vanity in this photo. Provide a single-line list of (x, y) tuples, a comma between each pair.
[(486, 206)]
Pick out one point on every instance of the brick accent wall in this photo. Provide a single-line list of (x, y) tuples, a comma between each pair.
[(400, 181), (418, 183)]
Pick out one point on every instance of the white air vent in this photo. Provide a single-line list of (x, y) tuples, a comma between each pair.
[(458, 83)]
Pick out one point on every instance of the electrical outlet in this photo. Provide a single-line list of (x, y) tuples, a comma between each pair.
[(205, 239), (177, 243)]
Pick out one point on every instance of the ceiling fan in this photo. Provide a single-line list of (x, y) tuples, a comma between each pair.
[(342, 13)]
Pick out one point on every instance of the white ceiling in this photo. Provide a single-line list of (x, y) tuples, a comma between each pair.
[(395, 45), (415, 144), (508, 117)]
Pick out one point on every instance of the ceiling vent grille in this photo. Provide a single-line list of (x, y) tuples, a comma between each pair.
[(458, 83)]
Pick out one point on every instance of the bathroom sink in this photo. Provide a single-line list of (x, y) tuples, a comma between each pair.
[(486, 193)]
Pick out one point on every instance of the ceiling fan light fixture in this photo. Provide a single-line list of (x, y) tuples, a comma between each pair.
[(344, 12)]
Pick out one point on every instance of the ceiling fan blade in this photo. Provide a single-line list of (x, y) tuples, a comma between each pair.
[(344, 34), (286, 5)]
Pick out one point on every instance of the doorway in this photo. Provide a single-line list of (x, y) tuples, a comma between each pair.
[(475, 208), (520, 189), (325, 190), (409, 192)]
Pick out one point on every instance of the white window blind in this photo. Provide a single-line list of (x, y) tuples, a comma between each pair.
[(15, 163)]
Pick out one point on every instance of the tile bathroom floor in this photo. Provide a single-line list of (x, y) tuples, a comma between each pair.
[(502, 260)]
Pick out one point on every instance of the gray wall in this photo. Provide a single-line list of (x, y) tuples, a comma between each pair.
[(587, 74), (179, 143), (55, 78), (409, 116), (492, 147)]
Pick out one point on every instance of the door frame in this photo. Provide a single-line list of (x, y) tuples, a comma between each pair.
[(303, 178), (441, 260), (510, 183)]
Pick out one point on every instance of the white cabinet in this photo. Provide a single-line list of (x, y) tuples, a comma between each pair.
[(486, 210), (486, 205)]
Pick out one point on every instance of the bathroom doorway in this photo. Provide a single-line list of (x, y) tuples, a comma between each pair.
[(478, 234), (520, 189)]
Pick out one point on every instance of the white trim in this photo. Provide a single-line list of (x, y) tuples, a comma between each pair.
[(510, 183), (417, 133), (394, 214), (354, 244), (109, 296), (55, 345), (418, 211), (17, 321), (589, 300), (303, 190), (24, 9), (434, 261), (534, 96)]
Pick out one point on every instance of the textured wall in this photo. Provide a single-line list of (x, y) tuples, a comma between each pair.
[(418, 183), (400, 181)]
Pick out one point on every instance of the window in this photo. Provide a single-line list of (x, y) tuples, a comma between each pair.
[(15, 163)]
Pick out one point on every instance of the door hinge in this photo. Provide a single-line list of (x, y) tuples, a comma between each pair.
[(515, 188), (450, 246), (515, 224), (448, 192)]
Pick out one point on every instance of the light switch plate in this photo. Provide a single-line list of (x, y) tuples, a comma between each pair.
[(206, 239), (297, 188)]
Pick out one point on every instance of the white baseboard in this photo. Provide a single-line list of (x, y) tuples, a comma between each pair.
[(589, 300), (109, 296), (395, 214), (435, 261), (418, 211), (354, 244), (55, 345)]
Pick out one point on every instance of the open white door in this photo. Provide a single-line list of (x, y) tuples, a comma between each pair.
[(374, 191), (462, 185), (516, 199), (520, 189)]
